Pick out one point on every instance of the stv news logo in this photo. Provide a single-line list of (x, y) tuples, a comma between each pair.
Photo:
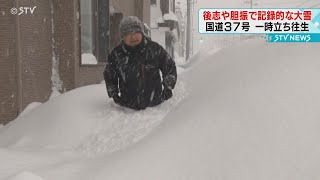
[(22, 10)]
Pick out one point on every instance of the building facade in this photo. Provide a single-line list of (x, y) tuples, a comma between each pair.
[(61, 46), (164, 24)]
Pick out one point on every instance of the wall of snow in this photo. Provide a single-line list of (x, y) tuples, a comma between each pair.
[(249, 116)]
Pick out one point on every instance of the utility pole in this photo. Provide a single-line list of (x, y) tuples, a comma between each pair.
[(191, 28), (188, 29)]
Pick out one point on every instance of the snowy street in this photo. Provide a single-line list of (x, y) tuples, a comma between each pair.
[(246, 112), (159, 90)]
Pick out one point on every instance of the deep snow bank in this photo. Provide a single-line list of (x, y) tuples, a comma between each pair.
[(85, 120), (253, 114)]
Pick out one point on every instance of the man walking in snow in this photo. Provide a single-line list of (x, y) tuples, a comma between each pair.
[(132, 73)]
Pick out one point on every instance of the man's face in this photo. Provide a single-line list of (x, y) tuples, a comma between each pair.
[(132, 38)]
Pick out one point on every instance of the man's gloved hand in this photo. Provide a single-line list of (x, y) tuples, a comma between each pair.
[(166, 94), (117, 99)]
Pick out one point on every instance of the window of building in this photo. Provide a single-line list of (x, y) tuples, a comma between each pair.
[(154, 2), (164, 6), (94, 28)]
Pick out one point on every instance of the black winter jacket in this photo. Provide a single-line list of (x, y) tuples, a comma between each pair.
[(135, 73)]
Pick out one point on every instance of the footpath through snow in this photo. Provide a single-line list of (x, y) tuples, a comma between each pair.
[(85, 120)]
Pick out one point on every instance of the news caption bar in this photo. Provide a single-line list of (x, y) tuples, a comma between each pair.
[(275, 25)]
